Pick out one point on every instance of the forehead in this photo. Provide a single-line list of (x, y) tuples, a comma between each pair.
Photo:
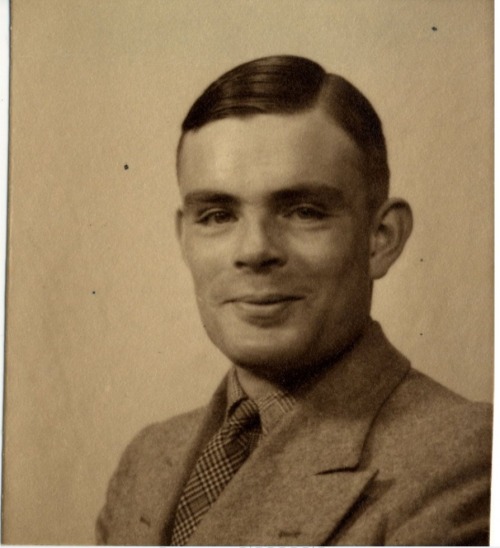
[(266, 152)]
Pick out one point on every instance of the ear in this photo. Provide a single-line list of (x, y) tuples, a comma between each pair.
[(392, 226), (179, 229)]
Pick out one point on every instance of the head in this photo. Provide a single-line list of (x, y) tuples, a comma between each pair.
[(286, 219)]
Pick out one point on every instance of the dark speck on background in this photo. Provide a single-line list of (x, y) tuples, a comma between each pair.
[(125, 166), (93, 292), (434, 29)]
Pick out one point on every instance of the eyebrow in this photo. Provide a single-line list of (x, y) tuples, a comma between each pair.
[(201, 197), (309, 191), (290, 195)]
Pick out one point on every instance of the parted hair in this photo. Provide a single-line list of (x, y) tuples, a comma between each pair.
[(287, 84)]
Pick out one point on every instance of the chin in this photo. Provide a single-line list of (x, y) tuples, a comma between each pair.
[(252, 346), (279, 363), (255, 356)]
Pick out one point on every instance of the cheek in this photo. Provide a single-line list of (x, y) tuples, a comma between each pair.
[(204, 263), (337, 273), (329, 255)]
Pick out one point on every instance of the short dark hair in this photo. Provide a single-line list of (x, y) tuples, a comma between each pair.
[(288, 84)]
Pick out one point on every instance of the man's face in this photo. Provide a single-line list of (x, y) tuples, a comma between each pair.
[(275, 231)]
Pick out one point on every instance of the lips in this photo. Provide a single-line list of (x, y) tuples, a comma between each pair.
[(263, 309), (265, 299)]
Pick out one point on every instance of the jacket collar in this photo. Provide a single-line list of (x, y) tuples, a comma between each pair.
[(340, 406)]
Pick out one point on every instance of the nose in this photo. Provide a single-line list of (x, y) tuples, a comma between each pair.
[(259, 246)]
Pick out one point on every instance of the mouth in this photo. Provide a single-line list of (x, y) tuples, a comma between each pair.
[(264, 309), (266, 299)]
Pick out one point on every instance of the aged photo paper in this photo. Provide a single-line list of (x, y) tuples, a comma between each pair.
[(103, 335)]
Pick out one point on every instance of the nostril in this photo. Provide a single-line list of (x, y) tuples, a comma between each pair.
[(264, 263)]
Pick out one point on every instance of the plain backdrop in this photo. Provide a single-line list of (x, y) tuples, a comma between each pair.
[(103, 335)]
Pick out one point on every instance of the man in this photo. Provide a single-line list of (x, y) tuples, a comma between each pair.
[(321, 432)]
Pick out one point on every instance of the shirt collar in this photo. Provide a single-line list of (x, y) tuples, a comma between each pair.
[(272, 407)]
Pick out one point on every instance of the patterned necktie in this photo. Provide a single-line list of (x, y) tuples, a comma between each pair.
[(220, 460)]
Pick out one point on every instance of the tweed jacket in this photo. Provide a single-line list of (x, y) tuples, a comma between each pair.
[(373, 453)]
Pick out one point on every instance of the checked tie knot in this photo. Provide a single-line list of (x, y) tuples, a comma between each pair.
[(243, 419)]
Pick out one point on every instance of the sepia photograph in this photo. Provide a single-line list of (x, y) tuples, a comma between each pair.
[(249, 284)]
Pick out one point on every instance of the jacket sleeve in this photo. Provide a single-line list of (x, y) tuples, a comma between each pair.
[(116, 517), (454, 506), (457, 514), (139, 491)]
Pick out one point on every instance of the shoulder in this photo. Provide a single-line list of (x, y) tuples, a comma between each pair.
[(155, 445), (424, 418), (156, 437), (424, 405), (145, 467), (434, 447)]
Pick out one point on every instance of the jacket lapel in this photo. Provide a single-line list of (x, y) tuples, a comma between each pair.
[(167, 474), (300, 483), (287, 509)]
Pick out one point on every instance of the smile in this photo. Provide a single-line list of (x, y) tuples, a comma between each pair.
[(266, 299), (263, 310)]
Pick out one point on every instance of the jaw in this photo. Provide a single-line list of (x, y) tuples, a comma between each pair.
[(278, 355), (282, 338)]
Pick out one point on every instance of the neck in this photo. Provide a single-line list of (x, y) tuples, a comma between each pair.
[(255, 387)]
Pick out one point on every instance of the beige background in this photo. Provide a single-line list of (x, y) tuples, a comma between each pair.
[(103, 336)]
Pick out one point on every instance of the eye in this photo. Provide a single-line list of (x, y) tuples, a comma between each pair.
[(215, 216), (307, 213)]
